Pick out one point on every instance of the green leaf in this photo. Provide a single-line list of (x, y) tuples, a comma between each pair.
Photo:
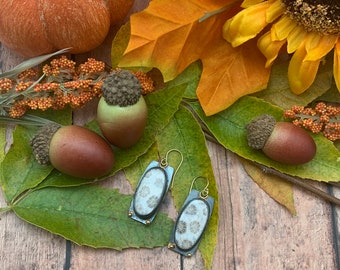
[(59, 179), (2, 143), (229, 129), (134, 172), (92, 216), (161, 107), (278, 91), (19, 170), (185, 134), (332, 95), (63, 117), (119, 44), (190, 76)]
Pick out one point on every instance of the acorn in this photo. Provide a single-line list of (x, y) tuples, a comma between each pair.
[(73, 150), (281, 141), (122, 111)]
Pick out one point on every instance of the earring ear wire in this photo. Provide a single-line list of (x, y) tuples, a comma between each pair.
[(205, 191), (164, 163)]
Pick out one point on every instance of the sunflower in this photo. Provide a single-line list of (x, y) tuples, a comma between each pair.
[(310, 29)]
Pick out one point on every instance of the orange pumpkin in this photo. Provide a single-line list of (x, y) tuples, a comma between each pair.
[(36, 27)]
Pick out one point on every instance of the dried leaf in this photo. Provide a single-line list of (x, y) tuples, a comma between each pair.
[(30, 63), (277, 188)]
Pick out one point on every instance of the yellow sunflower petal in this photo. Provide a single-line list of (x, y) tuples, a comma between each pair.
[(275, 11), (283, 27), (248, 3), (269, 48), (317, 46), (295, 38), (301, 73), (336, 67), (246, 24)]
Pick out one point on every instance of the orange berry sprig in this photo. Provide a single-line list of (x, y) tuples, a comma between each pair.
[(145, 81), (61, 84), (322, 118)]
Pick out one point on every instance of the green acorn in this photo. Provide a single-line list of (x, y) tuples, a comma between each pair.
[(122, 111)]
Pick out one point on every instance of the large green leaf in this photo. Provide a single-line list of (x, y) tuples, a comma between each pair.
[(92, 216), (134, 172), (229, 129), (184, 133)]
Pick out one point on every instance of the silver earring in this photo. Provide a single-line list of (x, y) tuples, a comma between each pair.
[(192, 221), (152, 188)]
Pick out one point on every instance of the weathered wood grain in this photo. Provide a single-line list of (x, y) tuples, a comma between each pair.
[(254, 231)]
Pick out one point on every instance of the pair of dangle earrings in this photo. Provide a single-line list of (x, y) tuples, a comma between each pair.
[(194, 215)]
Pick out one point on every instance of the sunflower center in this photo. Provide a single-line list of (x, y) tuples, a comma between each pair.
[(315, 15)]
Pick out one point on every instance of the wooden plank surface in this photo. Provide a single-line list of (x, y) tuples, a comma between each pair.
[(254, 231)]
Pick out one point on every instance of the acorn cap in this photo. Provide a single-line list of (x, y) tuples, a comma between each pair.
[(41, 142), (121, 88), (259, 130)]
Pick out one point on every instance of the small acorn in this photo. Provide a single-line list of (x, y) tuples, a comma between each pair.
[(281, 141), (73, 150), (122, 111)]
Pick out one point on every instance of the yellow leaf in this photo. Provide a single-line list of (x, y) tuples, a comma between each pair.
[(277, 188)]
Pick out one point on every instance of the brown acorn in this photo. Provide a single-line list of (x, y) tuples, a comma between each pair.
[(73, 150), (122, 111), (281, 141)]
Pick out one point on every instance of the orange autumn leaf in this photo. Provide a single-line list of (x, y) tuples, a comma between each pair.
[(230, 73), (169, 35)]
